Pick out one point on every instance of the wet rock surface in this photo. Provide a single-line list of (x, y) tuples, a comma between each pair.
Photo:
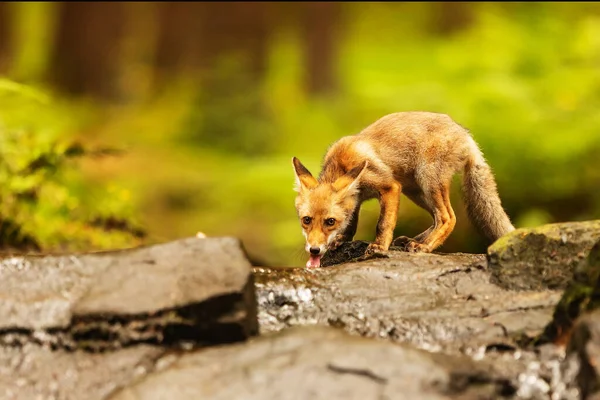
[(439, 303), (542, 257), (436, 302)]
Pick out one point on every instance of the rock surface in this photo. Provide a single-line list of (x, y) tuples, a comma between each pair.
[(32, 371), (198, 290), (435, 302), (318, 363), (584, 347), (582, 295), (542, 257)]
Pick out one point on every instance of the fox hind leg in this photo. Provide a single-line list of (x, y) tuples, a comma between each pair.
[(437, 199), (418, 198)]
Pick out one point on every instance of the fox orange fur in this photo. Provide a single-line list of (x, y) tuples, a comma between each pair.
[(414, 153)]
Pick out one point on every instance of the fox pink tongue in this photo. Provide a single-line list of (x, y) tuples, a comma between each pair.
[(314, 261)]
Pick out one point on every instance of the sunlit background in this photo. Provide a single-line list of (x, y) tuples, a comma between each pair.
[(135, 123)]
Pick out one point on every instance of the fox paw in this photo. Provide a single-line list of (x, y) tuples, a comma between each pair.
[(375, 248), (416, 247)]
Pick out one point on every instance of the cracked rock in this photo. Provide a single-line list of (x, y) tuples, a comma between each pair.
[(197, 291)]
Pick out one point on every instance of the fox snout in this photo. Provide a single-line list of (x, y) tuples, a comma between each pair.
[(315, 249), (316, 252)]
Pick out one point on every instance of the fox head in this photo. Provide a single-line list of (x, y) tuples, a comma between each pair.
[(324, 209)]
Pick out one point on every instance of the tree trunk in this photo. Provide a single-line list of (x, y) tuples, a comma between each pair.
[(319, 24), (451, 17), (4, 38), (237, 27), (178, 44), (193, 35), (87, 47)]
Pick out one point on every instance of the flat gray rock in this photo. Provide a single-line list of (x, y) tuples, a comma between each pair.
[(542, 257), (196, 290)]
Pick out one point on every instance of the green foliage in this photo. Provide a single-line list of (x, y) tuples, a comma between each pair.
[(44, 202), (231, 106)]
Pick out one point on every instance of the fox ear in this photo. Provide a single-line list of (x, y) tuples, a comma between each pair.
[(349, 181), (304, 179)]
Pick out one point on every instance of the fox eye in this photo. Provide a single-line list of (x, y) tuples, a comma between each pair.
[(330, 221), (306, 220)]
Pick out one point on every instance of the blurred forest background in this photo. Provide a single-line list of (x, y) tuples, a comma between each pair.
[(135, 123)]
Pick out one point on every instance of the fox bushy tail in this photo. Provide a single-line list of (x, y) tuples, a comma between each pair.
[(482, 200)]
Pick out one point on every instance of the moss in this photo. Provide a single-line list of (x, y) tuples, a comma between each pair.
[(502, 243), (550, 231)]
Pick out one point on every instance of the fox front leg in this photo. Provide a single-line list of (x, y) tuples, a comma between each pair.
[(389, 199)]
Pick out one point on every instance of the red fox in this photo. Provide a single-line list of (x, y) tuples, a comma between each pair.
[(414, 153)]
